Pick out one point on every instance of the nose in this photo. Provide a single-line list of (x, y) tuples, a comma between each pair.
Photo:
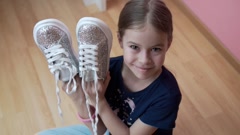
[(144, 57)]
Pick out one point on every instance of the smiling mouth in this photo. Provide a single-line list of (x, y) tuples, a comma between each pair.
[(142, 69)]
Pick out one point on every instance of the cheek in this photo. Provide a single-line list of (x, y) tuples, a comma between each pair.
[(121, 45), (127, 51), (128, 57), (159, 60)]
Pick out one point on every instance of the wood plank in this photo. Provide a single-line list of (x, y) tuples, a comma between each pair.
[(28, 104)]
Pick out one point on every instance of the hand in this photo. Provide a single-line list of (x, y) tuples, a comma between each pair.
[(77, 96), (97, 89)]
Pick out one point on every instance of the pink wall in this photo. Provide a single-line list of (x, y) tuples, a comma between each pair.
[(222, 17)]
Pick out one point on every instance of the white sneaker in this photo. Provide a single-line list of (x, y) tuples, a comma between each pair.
[(94, 43), (54, 40)]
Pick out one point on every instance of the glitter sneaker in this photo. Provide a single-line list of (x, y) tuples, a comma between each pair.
[(54, 40), (94, 43)]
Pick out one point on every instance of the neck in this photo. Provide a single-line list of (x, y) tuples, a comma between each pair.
[(133, 83)]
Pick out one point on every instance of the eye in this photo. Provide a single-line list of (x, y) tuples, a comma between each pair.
[(134, 47), (156, 49)]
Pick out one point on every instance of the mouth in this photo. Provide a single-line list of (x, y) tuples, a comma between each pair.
[(143, 69)]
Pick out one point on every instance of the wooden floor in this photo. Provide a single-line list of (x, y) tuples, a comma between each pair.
[(28, 104)]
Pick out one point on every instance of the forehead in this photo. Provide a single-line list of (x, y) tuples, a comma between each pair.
[(145, 35)]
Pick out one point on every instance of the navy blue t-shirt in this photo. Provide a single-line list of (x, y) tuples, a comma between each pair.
[(156, 105)]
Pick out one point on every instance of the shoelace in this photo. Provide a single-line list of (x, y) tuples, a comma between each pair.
[(56, 62), (89, 62)]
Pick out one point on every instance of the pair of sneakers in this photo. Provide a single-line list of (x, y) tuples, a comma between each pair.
[(94, 44)]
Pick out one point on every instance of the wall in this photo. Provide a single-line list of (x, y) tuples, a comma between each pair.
[(101, 4), (222, 17)]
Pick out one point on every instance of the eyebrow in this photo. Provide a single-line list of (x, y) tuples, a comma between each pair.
[(160, 45)]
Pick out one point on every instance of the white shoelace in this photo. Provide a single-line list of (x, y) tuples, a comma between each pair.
[(56, 62), (89, 63)]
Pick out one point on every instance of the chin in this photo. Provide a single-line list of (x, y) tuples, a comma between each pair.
[(147, 75), (142, 76)]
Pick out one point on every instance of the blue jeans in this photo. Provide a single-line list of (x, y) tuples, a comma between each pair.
[(70, 130)]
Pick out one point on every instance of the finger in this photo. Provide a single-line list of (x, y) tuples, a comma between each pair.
[(65, 84), (90, 88), (107, 80)]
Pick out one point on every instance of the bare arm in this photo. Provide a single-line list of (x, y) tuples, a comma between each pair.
[(83, 113), (79, 100)]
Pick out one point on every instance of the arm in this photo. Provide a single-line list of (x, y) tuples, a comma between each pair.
[(110, 119), (117, 127), (83, 113), (79, 100)]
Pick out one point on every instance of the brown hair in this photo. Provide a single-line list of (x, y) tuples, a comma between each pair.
[(136, 13)]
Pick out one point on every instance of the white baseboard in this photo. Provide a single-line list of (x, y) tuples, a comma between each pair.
[(88, 2), (101, 4)]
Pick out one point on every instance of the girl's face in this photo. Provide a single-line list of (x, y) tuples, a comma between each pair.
[(144, 52)]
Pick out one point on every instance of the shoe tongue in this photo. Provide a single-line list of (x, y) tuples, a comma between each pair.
[(64, 74), (89, 76)]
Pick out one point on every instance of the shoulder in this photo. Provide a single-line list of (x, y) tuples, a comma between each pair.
[(166, 88), (116, 63), (168, 80), (164, 103), (116, 59)]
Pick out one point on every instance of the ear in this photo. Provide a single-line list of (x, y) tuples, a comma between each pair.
[(120, 40), (169, 43)]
